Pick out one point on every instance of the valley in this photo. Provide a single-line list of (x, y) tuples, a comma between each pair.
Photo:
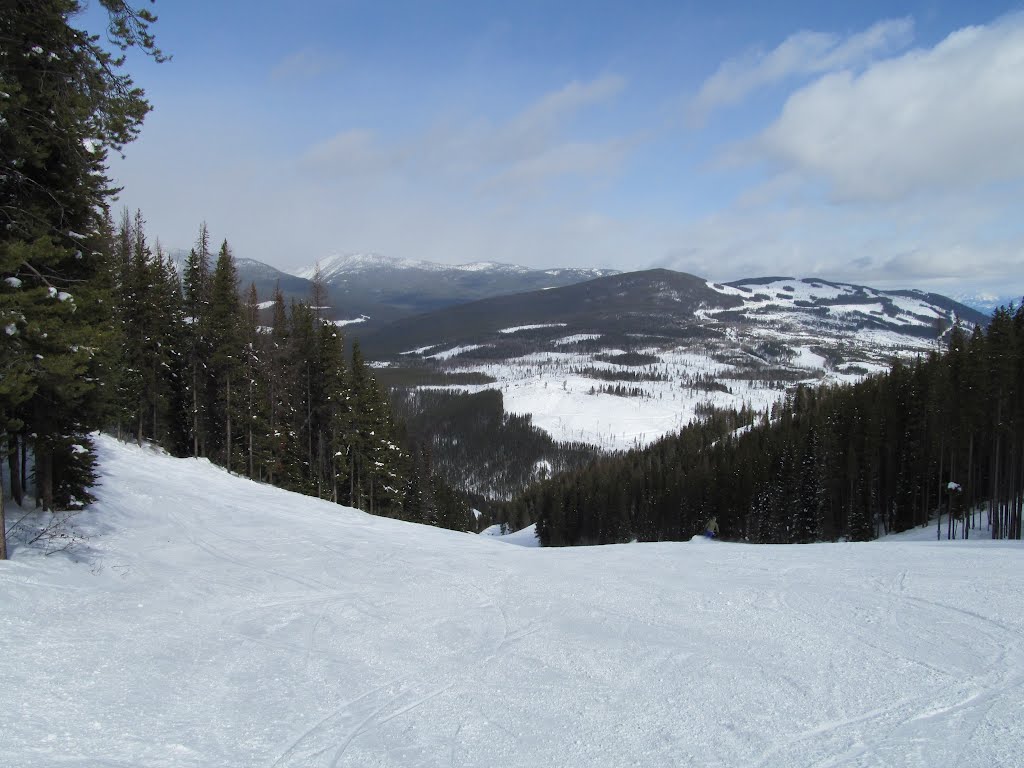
[(621, 361)]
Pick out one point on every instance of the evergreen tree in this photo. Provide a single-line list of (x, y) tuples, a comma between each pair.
[(257, 444), (65, 104), (222, 330), (196, 295)]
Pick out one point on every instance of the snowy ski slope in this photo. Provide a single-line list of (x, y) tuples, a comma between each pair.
[(211, 621)]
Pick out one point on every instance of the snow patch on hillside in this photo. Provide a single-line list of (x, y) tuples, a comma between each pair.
[(518, 328), (353, 321), (455, 351)]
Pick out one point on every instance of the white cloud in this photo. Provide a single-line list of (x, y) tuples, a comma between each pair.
[(803, 53), (944, 245), (349, 153), (946, 119), (551, 110), (305, 64), (571, 158), (527, 150)]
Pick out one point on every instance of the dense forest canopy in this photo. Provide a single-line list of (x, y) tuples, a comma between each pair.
[(940, 434)]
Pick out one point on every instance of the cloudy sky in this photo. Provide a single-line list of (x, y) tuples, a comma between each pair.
[(878, 142)]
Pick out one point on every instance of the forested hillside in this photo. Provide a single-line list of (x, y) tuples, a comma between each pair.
[(944, 433), (99, 332), (478, 447)]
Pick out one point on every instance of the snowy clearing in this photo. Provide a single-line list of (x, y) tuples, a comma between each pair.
[(519, 328), (211, 621), (454, 351), (351, 321)]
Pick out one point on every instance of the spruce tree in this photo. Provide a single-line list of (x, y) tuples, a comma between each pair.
[(65, 103), (222, 331), (196, 296), (257, 446)]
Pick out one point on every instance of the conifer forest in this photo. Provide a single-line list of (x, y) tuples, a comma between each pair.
[(937, 441)]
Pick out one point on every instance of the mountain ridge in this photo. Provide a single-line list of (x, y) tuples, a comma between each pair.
[(342, 264)]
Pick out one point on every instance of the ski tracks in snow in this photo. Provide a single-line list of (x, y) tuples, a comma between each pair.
[(984, 670)]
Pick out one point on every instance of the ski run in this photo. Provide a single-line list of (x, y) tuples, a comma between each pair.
[(209, 621)]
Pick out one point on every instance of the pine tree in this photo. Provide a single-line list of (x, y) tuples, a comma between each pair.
[(65, 103), (222, 330), (333, 413), (196, 296), (377, 468), (257, 446)]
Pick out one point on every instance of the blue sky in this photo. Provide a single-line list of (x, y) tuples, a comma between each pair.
[(873, 142)]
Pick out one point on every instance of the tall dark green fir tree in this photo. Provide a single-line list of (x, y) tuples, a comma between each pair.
[(66, 102)]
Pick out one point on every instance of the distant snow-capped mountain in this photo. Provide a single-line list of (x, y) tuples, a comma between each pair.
[(384, 288), (987, 302), (338, 265)]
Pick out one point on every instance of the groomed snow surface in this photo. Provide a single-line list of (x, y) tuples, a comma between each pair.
[(211, 621)]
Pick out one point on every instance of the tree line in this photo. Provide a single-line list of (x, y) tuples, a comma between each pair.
[(479, 448), (939, 440)]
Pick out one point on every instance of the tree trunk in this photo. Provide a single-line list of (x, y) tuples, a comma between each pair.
[(942, 458), (156, 401), (195, 412), (3, 522), (994, 504), (12, 446), (969, 490), (273, 434), (14, 463), (309, 421), (24, 466), (227, 446), (44, 478), (249, 427)]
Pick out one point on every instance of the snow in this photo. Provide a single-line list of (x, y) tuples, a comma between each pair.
[(527, 537), (353, 321), (352, 263), (518, 328), (807, 358), (575, 338), (419, 350), (571, 408), (212, 621), (455, 352)]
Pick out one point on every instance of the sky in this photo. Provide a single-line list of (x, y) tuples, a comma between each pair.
[(873, 142)]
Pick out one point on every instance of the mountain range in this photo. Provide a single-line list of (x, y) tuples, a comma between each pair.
[(621, 360), (614, 359), (375, 290), (667, 305)]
